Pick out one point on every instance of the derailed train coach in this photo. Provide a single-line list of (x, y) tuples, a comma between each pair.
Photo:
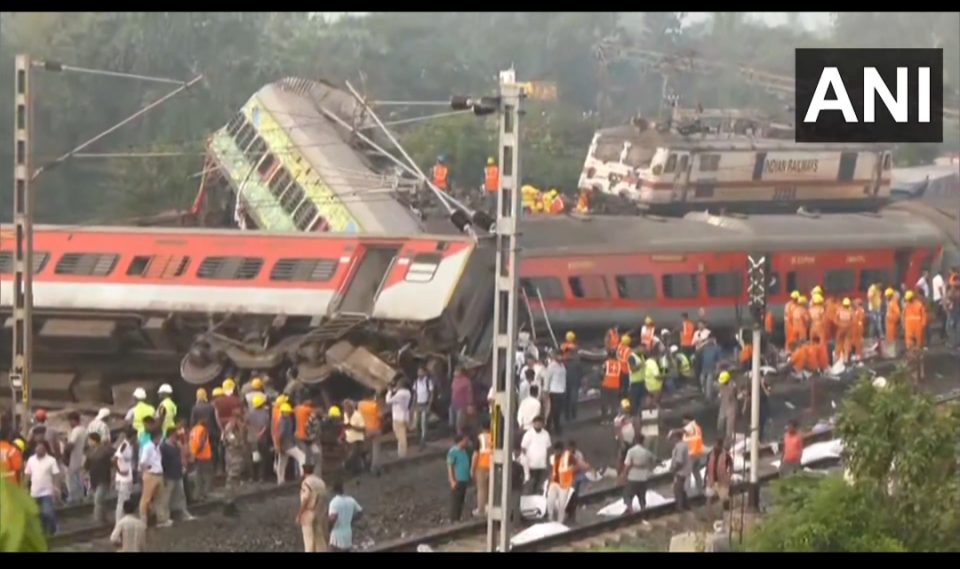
[(115, 305)]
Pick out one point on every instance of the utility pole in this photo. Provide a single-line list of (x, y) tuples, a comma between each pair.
[(23, 252), (757, 292), (501, 505), (23, 176)]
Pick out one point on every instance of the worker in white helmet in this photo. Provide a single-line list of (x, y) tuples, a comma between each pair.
[(140, 411), (167, 412)]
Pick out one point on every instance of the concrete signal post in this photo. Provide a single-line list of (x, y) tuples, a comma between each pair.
[(757, 293)]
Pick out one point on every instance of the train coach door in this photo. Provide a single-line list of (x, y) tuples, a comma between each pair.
[(681, 180), (361, 291), (901, 260)]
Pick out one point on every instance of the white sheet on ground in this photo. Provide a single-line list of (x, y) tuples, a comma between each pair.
[(538, 531), (619, 507), (817, 451), (533, 507)]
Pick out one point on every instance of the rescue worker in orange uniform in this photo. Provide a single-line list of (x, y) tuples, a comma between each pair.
[(552, 202), (583, 201), (818, 319), (491, 176), (769, 323), (830, 307), (798, 358), (612, 341), (858, 329), (817, 357), (610, 386), (788, 318), (843, 321), (648, 333), (440, 174), (687, 330), (301, 416), (11, 460), (914, 321), (800, 322), (623, 356), (569, 346), (893, 315)]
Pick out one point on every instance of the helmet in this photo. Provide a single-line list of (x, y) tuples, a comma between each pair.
[(724, 377), (40, 415), (218, 392), (648, 320), (257, 383), (20, 444), (229, 385), (201, 394), (888, 292), (285, 408), (795, 295), (571, 336), (553, 193), (908, 295), (674, 349), (139, 393), (334, 412), (846, 302), (624, 403), (625, 339), (165, 388), (491, 161), (258, 400), (816, 290), (817, 299), (802, 299), (664, 332)]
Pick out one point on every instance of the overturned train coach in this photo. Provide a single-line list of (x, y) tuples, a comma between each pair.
[(121, 304)]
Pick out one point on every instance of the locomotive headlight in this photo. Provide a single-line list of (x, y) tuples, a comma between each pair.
[(614, 178)]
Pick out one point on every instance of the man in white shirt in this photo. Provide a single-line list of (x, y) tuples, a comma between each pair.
[(526, 380), (151, 469), (701, 335), (398, 397), (939, 287), (923, 284), (73, 456), (355, 434), (556, 380), (123, 462), (939, 292), (44, 475), (535, 447), (529, 409), (423, 390)]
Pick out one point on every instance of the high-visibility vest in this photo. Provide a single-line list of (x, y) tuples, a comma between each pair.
[(141, 411), (683, 364), (440, 176), (301, 414), (200, 443), (583, 203), (637, 375), (651, 377), (169, 414), (686, 333), (556, 205), (485, 454), (275, 416), (11, 462), (646, 335), (792, 447), (611, 374), (623, 356), (568, 349), (371, 415), (491, 178), (562, 472), (695, 441), (768, 322)]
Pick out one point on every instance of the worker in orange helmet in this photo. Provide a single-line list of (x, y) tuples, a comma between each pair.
[(893, 315), (800, 321), (843, 322), (858, 329), (440, 174), (914, 321), (788, 318), (818, 318)]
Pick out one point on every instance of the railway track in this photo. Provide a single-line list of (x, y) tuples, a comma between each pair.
[(470, 536)]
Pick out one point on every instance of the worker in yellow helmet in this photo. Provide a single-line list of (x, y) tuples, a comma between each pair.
[(228, 386), (258, 400), (788, 309), (843, 321), (727, 414), (334, 412), (217, 392), (816, 291)]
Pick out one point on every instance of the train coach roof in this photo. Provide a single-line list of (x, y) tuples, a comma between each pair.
[(702, 232), (188, 232), (678, 141)]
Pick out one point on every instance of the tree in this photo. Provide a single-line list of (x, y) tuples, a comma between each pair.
[(900, 449)]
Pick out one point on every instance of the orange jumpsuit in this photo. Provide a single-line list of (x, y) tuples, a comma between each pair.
[(893, 320), (914, 323), (769, 323), (843, 321), (818, 322), (817, 358), (788, 322), (687, 330), (800, 317), (799, 359), (857, 331), (831, 306)]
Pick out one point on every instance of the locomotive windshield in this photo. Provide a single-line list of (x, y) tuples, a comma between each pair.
[(609, 149), (639, 156)]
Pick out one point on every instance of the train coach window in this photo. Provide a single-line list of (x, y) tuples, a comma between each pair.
[(257, 149), (304, 215), (870, 276), (671, 164), (158, 266), (680, 286), (774, 286), (87, 264), (313, 270), (230, 268), (589, 287), (839, 281), (235, 123), (724, 284), (636, 286), (244, 135), (549, 287), (266, 164), (39, 261), (291, 198), (423, 267), (280, 182), (709, 162), (802, 281)]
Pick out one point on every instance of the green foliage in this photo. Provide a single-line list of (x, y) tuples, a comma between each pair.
[(402, 56), (901, 452)]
